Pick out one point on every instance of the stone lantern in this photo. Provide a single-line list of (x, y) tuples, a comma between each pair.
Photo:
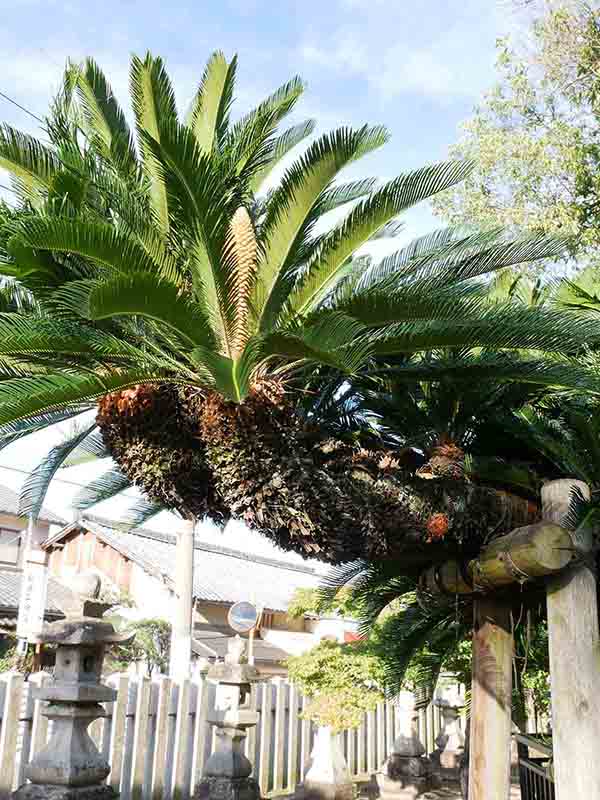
[(407, 773), (451, 740), (70, 766), (227, 771)]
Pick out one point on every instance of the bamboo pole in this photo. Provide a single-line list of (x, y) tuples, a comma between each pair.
[(526, 553), (574, 659), (489, 751)]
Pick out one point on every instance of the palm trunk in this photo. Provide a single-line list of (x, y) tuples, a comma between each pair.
[(336, 501)]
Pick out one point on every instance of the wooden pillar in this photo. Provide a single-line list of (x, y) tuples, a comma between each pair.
[(574, 659), (491, 700), (181, 631)]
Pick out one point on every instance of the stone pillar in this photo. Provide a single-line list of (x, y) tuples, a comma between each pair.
[(70, 766), (181, 629), (328, 777), (227, 772), (407, 773)]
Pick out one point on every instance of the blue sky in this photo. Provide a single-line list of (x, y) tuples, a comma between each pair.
[(417, 67)]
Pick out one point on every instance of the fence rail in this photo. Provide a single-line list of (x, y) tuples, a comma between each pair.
[(535, 780), (156, 736)]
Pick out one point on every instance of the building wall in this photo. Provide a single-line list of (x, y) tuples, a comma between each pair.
[(82, 551), (40, 532), (151, 597)]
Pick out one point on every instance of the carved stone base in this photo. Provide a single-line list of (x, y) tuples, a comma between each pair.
[(214, 788), (315, 790), (406, 778), (36, 791)]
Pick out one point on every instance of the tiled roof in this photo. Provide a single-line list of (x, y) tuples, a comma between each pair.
[(9, 504), (221, 575), (211, 641), (10, 593)]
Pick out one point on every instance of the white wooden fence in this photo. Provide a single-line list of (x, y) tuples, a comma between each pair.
[(156, 736)]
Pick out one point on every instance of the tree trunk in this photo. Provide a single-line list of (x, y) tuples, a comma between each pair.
[(490, 737), (574, 659), (181, 633)]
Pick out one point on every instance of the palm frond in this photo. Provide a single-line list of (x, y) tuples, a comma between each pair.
[(101, 242), (508, 327), (146, 295), (209, 115), (143, 511), (106, 123), (38, 481), (92, 448), (254, 132), (13, 431), (29, 162), (22, 398), (280, 147), (153, 100), (108, 485), (289, 218)]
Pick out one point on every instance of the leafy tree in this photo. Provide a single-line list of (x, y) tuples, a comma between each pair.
[(343, 681), (308, 601), (413, 636), (150, 645), (534, 138), (188, 309)]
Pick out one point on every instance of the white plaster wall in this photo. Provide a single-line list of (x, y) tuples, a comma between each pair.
[(332, 627), (150, 595), (291, 642), (39, 533)]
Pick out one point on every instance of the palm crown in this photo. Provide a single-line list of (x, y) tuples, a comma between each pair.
[(169, 283)]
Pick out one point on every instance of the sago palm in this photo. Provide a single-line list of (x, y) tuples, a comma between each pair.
[(187, 301)]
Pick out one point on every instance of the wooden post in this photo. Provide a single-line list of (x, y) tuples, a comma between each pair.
[(574, 659), (181, 631), (489, 769)]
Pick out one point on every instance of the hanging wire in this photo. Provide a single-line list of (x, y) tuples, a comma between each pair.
[(9, 99)]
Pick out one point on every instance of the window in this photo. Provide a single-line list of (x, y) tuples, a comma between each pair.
[(10, 543)]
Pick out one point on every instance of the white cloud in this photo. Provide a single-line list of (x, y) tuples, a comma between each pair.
[(395, 54), (347, 53)]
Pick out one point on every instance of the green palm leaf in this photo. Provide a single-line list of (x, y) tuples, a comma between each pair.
[(101, 242), (145, 294), (331, 338), (143, 511), (209, 115), (280, 147), (108, 485), (91, 448), (13, 431), (38, 481), (343, 193), (153, 101), (229, 376), (30, 163), (22, 398), (364, 221), (106, 122), (495, 327), (289, 218)]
